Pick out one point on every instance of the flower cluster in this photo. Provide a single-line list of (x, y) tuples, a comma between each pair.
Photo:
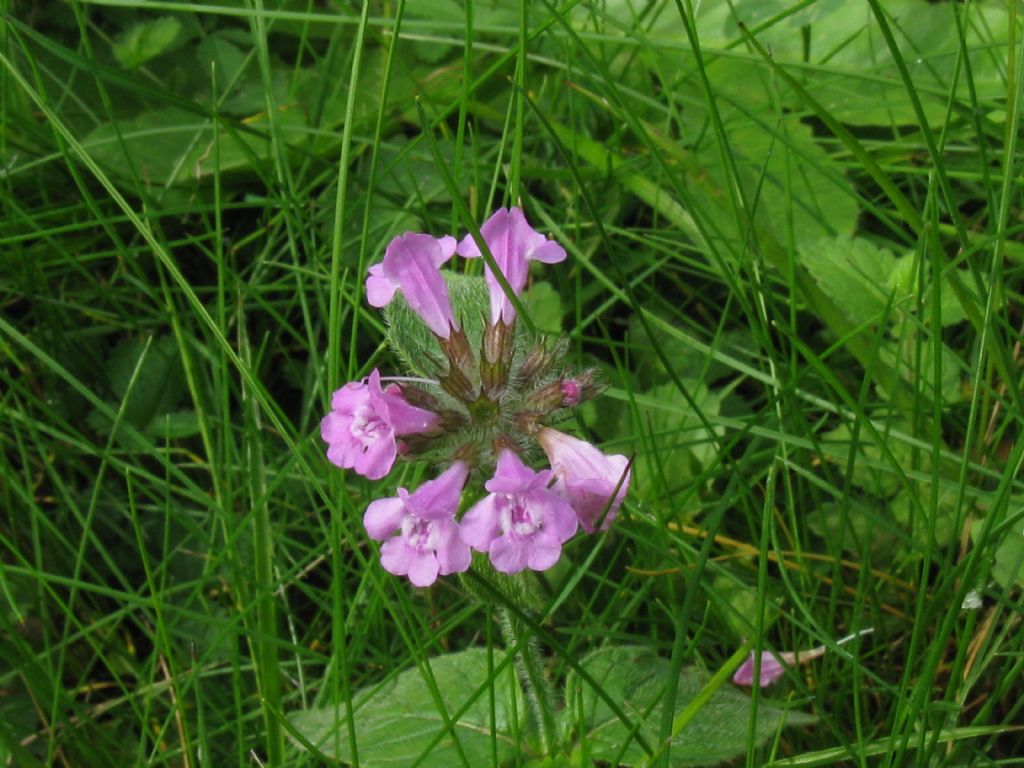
[(485, 415)]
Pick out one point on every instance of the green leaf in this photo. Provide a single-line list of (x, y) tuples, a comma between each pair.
[(858, 276), (871, 471), (161, 146), (174, 424), (634, 677), (1008, 566), (794, 189), (146, 40), (156, 390), (397, 722), (545, 307)]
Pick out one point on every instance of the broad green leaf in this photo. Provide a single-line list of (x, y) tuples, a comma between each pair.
[(856, 275), (634, 678), (794, 190), (740, 605), (917, 369), (171, 146), (146, 40), (174, 424), (162, 145), (398, 722), (859, 526), (908, 506), (239, 88)]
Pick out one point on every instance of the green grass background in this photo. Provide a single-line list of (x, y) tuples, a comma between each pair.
[(794, 252)]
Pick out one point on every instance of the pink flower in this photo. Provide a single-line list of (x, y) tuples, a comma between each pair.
[(427, 542), (512, 243), (521, 523), (587, 477), (364, 420), (412, 265)]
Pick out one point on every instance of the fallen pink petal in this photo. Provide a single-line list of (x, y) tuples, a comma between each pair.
[(773, 665)]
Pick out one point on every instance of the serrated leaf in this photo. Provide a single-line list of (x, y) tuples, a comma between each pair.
[(634, 678), (856, 275), (399, 721)]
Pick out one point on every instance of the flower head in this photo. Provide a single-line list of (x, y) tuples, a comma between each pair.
[(412, 265), (521, 523), (364, 420), (427, 542), (586, 477), (512, 242)]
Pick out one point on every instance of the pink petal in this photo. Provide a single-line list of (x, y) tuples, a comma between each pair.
[(453, 555), (512, 476), (380, 290), (480, 526), (771, 670), (345, 453), (513, 243), (383, 517), (349, 397), (334, 427), (407, 419), (439, 498), (396, 556), (412, 262), (587, 476), (549, 253), (423, 569), (378, 458), (447, 244), (510, 555), (544, 551)]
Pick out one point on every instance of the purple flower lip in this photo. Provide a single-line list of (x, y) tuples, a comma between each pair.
[(412, 265), (513, 243), (364, 421), (427, 542)]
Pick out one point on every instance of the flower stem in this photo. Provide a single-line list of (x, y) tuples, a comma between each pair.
[(536, 685)]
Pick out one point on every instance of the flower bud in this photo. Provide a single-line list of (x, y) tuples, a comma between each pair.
[(496, 349), (539, 360)]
